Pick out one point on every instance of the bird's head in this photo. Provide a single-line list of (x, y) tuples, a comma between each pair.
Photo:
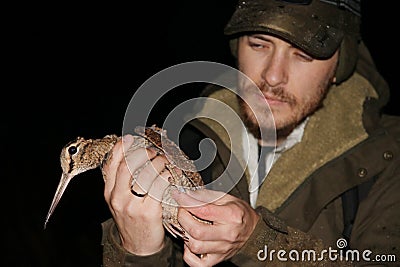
[(79, 156)]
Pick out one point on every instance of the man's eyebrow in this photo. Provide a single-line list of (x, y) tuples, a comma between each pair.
[(260, 36)]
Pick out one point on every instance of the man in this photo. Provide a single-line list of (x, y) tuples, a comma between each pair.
[(335, 170)]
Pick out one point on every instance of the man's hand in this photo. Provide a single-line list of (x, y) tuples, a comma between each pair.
[(233, 221), (139, 219)]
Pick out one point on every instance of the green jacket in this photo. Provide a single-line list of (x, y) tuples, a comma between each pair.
[(345, 144)]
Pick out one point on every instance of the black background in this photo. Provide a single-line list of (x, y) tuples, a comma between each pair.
[(71, 70)]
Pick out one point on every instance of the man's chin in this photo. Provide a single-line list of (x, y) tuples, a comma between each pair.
[(269, 130)]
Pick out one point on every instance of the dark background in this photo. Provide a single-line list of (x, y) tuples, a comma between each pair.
[(72, 71)]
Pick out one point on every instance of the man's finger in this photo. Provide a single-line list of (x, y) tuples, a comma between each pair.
[(124, 175), (209, 230), (210, 196), (195, 260), (204, 247), (206, 210), (158, 187), (149, 172), (111, 166)]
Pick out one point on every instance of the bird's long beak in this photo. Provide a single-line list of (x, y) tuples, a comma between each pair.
[(62, 185)]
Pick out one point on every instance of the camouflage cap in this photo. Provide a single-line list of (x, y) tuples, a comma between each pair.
[(315, 26)]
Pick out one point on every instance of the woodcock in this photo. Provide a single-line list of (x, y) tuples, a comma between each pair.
[(83, 154)]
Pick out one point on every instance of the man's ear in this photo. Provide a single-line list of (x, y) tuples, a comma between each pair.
[(348, 56), (233, 43)]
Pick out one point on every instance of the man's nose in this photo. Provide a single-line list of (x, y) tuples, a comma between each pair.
[(275, 70)]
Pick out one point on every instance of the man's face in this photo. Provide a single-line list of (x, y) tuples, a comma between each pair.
[(291, 82)]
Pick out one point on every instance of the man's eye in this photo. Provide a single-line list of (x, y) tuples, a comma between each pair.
[(256, 45), (304, 57)]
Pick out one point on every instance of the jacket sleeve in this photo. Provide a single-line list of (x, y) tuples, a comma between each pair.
[(274, 243), (116, 255)]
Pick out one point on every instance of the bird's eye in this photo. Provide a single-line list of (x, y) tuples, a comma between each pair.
[(72, 150)]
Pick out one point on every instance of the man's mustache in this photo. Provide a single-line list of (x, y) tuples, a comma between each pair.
[(275, 93)]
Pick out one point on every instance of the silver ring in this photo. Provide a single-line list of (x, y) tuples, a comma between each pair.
[(137, 194)]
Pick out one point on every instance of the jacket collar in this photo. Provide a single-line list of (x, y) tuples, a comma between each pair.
[(332, 130)]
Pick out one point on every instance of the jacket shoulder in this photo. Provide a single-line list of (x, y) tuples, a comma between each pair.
[(391, 124)]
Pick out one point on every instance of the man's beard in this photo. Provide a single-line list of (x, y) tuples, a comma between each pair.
[(265, 122)]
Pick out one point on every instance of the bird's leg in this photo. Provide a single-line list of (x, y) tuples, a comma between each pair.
[(174, 180), (175, 228)]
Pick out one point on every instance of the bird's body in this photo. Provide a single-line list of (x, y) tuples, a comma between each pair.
[(83, 154)]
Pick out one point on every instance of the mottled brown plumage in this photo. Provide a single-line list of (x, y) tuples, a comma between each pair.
[(83, 154)]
